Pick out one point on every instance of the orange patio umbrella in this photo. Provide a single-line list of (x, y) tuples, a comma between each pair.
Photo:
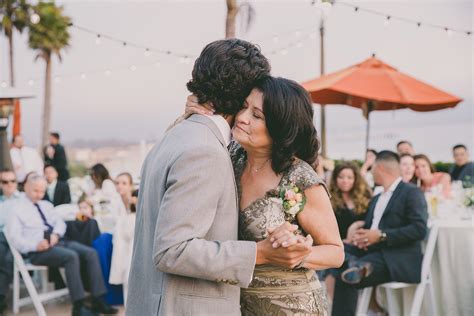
[(373, 85)]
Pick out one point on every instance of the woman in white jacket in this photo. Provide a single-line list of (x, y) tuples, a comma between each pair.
[(123, 234)]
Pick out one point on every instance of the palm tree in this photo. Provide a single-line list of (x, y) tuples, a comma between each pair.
[(49, 37), (233, 9), (14, 16)]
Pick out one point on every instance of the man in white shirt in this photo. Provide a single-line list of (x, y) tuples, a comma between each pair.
[(35, 230), (24, 159), (387, 246), (9, 195)]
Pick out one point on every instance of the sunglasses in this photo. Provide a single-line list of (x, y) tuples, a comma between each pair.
[(8, 181)]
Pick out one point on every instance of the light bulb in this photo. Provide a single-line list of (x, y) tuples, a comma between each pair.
[(35, 18)]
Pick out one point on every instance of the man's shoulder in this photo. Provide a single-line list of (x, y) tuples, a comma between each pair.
[(45, 204)]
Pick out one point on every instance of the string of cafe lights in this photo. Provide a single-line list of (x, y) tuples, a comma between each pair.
[(388, 18), (148, 51), (298, 37)]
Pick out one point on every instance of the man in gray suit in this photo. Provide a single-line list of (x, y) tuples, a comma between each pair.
[(186, 256)]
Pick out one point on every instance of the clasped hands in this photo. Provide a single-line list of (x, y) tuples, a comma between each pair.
[(46, 244), (283, 247), (360, 237)]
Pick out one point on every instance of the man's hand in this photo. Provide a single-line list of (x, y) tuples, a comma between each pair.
[(193, 107), (283, 235), (352, 230), (54, 240), (43, 245), (364, 238), (288, 257)]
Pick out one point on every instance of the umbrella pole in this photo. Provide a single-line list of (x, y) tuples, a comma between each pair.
[(367, 133), (323, 107)]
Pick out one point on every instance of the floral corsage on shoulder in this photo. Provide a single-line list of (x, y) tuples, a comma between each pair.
[(293, 199)]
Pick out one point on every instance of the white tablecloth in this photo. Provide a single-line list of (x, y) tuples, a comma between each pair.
[(452, 271)]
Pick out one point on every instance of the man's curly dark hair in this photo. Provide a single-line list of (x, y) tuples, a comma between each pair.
[(226, 72)]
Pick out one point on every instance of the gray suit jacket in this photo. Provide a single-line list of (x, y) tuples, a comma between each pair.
[(186, 258)]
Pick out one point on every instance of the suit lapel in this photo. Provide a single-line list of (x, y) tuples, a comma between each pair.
[(56, 192), (370, 212), (392, 200)]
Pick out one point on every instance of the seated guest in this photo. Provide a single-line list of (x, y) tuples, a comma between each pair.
[(463, 169), (123, 246), (124, 186), (84, 229), (10, 193), (388, 246), (407, 168), (105, 190), (428, 178), (405, 147), (365, 170), (35, 230), (57, 191), (350, 196)]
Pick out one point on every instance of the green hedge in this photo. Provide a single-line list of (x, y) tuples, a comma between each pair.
[(78, 170)]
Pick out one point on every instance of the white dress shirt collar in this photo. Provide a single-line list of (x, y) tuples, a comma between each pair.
[(382, 202), (395, 184), (223, 127)]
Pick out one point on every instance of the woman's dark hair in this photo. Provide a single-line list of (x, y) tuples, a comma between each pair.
[(99, 174), (372, 151), (425, 158), (133, 206), (225, 73), (360, 193), (289, 119)]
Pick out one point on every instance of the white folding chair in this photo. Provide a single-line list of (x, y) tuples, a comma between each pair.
[(425, 283), (22, 268), (364, 301)]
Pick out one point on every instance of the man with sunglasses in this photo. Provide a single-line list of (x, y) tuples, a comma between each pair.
[(9, 194)]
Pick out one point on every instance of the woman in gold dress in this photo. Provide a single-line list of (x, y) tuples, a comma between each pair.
[(275, 142)]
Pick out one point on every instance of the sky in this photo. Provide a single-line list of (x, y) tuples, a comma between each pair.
[(139, 105)]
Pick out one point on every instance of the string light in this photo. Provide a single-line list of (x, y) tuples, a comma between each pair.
[(83, 76), (147, 50), (389, 18), (386, 23), (4, 84), (108, 72), (57, 79), (31, 82), (157, 64), (97, 39), (35, 18), (133, 68)]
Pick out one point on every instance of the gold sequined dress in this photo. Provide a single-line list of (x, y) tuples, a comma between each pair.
[(275, 290)]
